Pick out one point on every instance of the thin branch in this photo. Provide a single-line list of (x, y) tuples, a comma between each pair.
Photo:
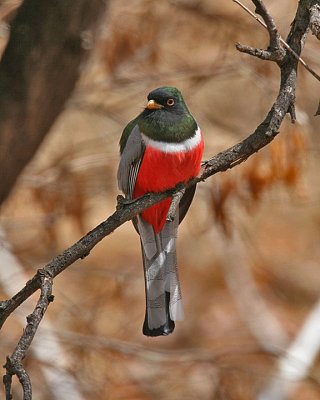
[(7, 381), (263, 54), (283, 42), (13, 276), (272, 30), (13, 365)]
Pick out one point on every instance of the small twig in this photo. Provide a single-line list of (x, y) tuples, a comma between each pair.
[(13, 275), (275, 51), (270, 25), (13, 365), (174, 204), (7, 381), (283, 42), (276, 56), (292, 113)]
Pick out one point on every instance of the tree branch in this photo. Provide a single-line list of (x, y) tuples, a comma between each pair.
[(268, 55), (283, 42), (12, 275), (13, 365), (273, 32), (275, 52)]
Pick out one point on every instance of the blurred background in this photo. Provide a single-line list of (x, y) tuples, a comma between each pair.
[(248, 251)]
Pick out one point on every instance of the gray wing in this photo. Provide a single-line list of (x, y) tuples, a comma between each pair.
[(130, 162)]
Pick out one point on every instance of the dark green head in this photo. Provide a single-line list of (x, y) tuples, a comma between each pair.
[(165, 118), (168, 99)]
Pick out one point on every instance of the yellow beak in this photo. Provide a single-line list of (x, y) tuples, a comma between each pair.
[(153, 105)]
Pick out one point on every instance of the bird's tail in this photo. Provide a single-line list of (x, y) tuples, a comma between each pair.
[(163, 296)]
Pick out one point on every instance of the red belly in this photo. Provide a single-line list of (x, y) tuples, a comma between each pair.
[(160, 171)]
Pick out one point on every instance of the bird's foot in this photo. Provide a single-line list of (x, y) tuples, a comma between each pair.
[(123, 201)]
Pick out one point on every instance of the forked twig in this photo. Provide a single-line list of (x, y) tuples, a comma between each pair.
[(283, 42), (13, 364)]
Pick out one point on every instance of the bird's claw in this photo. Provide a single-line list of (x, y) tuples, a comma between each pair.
[(123, 201)]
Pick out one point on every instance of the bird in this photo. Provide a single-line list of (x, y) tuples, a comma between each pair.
[(160, 148)]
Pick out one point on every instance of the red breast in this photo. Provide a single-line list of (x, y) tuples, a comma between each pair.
[(162, 170)]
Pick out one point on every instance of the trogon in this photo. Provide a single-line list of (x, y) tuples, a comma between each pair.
[(160, 148)]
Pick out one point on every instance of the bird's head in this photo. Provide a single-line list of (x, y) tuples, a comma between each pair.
[(166, 116), (166, 98)]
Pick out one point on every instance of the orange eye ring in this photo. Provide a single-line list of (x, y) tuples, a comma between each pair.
[(170, 102)]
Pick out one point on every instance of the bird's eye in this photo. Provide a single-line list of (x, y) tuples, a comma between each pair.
[(170, 102)]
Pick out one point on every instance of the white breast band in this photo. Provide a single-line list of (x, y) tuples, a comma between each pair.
[(186, 145)]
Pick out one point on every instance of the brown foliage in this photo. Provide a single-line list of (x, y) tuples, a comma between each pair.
[(282, 162)]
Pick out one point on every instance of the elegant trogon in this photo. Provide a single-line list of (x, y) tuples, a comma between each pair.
[(160, 148)]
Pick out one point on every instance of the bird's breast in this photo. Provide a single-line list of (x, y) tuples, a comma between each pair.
[(161, 170)]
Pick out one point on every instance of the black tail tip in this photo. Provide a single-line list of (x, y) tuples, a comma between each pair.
[(163, 330)]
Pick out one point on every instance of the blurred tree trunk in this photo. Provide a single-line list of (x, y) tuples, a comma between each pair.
[(39, 69)]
